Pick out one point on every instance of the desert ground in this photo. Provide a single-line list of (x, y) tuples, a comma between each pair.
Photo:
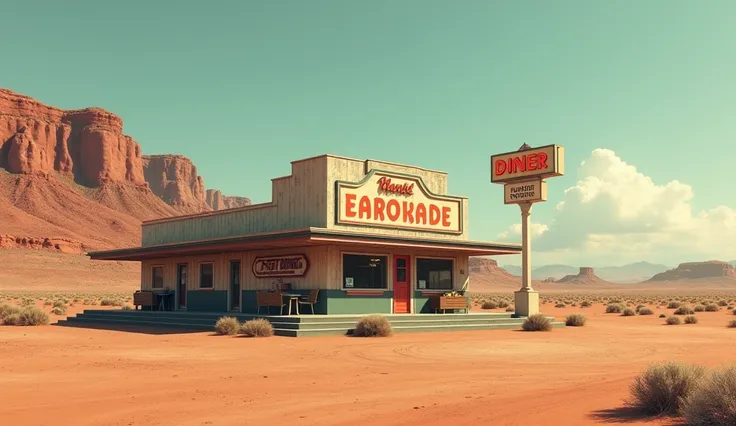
[(568, 376)]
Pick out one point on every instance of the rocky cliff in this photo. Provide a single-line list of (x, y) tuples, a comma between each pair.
[(586, 275), (73, 176), (696, 270), (217, 201)]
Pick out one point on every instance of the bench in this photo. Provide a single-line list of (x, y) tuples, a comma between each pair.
[(144, 298), (444, 303)]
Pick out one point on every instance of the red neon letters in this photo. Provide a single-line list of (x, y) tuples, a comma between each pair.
[(384, 184), (520, 163), (395, 211)]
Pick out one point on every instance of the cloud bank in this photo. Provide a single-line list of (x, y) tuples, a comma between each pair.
[(617, 212)]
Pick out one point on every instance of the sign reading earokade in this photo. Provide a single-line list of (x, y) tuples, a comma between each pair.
[(542, 162), (393, 200), (531, 191), (295, 265)]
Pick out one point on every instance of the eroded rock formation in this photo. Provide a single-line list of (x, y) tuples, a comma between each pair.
[(585, 276), (695, 270), (174, 179), (217, 201)]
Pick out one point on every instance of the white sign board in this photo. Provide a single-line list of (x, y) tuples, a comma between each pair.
[(531, 191), (398, 201)]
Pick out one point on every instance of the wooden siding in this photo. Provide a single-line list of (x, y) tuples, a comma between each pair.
[(325, 268), (297, 201), (355, 170)]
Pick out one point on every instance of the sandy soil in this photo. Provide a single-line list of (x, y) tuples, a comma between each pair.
[(571, 376)]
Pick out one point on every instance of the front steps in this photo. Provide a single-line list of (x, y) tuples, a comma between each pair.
[(293, 325)]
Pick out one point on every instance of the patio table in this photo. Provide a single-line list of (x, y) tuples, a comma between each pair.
[(293, 297)]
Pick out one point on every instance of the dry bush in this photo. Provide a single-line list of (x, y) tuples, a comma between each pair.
[(712, 403), (691, 319), (585, 304), (614, 308), (699, 308), (537, 322), (373, 326), (259, 327), (662, 316), (560, 305), (660, 388), (711, 307), (575, 320), (7, 310), (12, 318), (673, 305), (107, 302), (503, 304), (510, 309), (227, 326), (645, 311), (628, 312), (684, 310), (127, 308), (489, 305), (674, 321), (732, 324), (722, 302), (58, 311)]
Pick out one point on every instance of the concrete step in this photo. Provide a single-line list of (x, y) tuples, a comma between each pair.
[(82, 321)]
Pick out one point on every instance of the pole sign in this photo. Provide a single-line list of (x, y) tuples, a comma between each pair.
[(528, 163), (529, 191)]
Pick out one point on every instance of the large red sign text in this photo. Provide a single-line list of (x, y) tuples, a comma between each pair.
[(384, 184), (395, 211), (520, 163)]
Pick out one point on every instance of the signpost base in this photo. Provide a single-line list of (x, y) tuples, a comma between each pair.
[(526, 303)]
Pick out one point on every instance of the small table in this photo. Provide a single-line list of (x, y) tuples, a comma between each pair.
[(164, 302), (293, 297)]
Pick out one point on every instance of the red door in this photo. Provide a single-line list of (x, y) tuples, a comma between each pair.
[(402, 300)]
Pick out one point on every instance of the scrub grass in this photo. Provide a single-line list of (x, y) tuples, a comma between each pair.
[(489, 305), (27, 315), (628, 312), (373, 326), (614, 308), (660, 389), (227, 326), (673, 321), (537, 322), (712, 403), (684, 310), (691, 319), (258, 327), (575, 320), (645, 311)]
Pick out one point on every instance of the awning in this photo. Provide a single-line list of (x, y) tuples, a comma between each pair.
[(302, 238)]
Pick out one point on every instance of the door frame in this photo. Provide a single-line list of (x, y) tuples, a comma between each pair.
[(409, 271), (230, 307), (178, 286)]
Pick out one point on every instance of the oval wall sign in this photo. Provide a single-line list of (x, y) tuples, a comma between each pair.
[(294, 265)]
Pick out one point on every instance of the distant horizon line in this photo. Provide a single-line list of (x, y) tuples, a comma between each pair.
[(619, 266)]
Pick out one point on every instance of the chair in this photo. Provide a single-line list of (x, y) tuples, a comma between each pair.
[(270, 298), (311, 299)]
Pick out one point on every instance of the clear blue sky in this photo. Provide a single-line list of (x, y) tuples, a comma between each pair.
[(244, 87)]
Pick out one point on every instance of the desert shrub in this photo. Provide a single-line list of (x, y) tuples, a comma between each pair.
[(27, 302), (628, 312), (684, 310), (615, 301), (31, 315), (560, 305), (712, 403), (691, 319), (107, 302), (722, 302), (661, 387), (6, 310), (638, 307), (537, 322), (585, 304), (732, 324), (673, 321), (503, 304), (734, 311), (489, 305), (614, 308), (59, 304), (711, 307), (730, 308), (227, 326), (699, 308), (127, 308), (673, 305), (645, 311), (510, 309), (58, 310), (12, 318), (575, 320), (662, 316), (373, 326), (258, 327)]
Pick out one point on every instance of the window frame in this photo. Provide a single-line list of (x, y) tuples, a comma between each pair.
[(453, 262), (389, 273), (153, 277), (199, 275)]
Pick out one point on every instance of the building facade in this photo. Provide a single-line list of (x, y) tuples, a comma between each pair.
[(372, 236)]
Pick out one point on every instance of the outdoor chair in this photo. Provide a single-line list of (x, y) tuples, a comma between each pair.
[(311, 299), (270, 298)]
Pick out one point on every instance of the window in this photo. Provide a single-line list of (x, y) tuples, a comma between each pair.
[(157, 280), (434, 274), (206, 275), (364, 271)]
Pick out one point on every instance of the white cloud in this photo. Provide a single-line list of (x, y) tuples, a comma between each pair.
[(514, 231), (617, 212)]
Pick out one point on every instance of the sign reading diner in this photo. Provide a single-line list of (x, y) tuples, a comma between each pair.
[(542, 162), (280, 266), (397, 201)]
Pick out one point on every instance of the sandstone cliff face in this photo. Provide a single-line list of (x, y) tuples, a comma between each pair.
[(217, 201), (88, 143), (696, 270), (174, 179), (585, 276)]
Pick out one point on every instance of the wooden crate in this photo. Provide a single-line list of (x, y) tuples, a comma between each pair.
[(449, 302)]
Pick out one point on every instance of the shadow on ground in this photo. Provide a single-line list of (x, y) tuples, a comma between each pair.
[(626, 414)]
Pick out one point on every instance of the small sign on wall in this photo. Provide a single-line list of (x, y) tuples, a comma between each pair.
[(295, 265), (348, 282), (422, 284)]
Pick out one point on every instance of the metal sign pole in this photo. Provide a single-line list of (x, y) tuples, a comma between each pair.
[(526, 248)]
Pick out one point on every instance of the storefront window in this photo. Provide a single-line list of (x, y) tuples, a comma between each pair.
[(206, 275), (157, 280), (364, 271), (434, 274)]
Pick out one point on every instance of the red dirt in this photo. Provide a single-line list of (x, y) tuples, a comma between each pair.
[(572, 376)]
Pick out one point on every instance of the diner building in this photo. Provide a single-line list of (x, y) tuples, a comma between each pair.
[(370, 236)]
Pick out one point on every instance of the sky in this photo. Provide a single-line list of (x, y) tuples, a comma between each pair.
[(641, 94)]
